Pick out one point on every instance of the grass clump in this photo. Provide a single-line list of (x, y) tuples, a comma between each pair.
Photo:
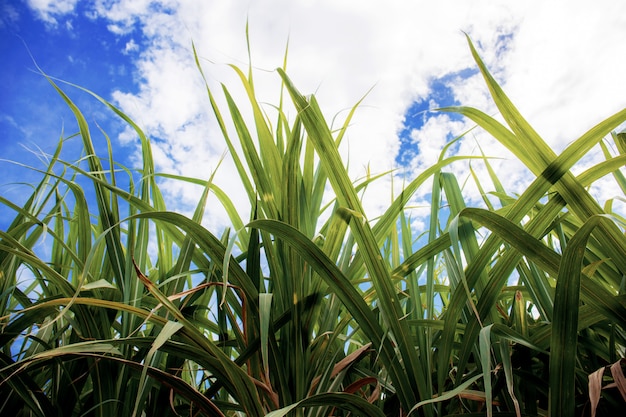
[(308, 308)]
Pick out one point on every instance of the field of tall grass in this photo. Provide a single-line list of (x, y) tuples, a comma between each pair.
[(310, 308)]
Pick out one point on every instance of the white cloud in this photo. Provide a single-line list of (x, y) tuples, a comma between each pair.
[(432, 137), (125, 13), (131, 46), (8, 15), (564, 68), (560, 61), (50, 10)]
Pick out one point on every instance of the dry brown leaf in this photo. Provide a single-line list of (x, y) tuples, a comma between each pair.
[(618, 376), (342, 364), (595, 387), (595, 383)]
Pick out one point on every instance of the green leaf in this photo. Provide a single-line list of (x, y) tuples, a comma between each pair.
[(347, 402), (564, 340)]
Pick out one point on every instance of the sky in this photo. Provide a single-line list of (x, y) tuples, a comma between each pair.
[(561, 62)]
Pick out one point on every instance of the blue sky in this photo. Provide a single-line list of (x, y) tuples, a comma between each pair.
[(33, 116), (78, 50), (560, 61)]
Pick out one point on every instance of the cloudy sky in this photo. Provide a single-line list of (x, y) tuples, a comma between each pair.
[(561, 62)]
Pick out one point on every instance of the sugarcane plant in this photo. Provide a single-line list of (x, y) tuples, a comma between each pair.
[(308, 306)]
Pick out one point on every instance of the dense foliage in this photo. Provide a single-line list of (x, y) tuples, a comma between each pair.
[(310, 308)]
